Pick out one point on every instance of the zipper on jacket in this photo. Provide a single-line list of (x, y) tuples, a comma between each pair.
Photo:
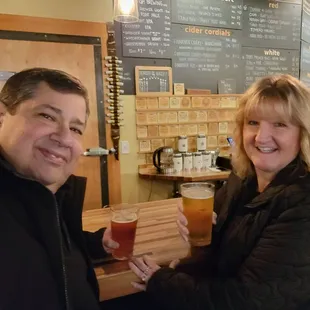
[(64, 272)]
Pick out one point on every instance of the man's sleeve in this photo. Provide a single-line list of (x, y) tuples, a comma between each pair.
[(94, 243)]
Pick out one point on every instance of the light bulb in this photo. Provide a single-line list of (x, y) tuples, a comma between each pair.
[(126, 6), (126, 11)]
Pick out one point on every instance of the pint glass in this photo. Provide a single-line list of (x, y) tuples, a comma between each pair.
[(124, 218), (198, 201)]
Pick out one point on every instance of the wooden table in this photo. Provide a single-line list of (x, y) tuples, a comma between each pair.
[(157, 236)]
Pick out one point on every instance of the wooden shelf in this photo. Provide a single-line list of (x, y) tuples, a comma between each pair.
[(187, 109), (190, 123), (211, 95), (167, 137)]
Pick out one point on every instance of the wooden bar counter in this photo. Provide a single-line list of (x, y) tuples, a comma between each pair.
[(157, 236), (152, 174)]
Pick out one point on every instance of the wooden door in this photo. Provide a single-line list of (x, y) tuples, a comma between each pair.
[(81, 57)]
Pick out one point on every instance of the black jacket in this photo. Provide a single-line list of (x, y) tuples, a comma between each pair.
[(260, 252), (32, 273)]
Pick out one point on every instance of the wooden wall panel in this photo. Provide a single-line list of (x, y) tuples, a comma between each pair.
[(55, 26)]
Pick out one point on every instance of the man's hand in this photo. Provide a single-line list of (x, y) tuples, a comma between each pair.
[(108, 243)]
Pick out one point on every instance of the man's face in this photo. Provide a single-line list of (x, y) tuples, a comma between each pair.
[(42, 139)]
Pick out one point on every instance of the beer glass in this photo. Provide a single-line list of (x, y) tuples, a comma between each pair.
[(124, 218), (198, 199)]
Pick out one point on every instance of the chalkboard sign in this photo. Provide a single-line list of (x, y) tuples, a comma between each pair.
[(305, 29), (154, 81), (227, 86), (129, 65), (214, 13), (271, 24), (151, 36), (305, 63), (202, 56), (260, 62)]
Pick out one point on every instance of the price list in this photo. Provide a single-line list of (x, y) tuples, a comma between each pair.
[(305, 63), (203, 55), (271, 24), (214, 13), (260, 62), (151, 36)]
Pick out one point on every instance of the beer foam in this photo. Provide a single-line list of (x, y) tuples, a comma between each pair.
[(122, 218), (197, 193)]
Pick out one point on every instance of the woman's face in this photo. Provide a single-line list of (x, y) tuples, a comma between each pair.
[(270, 143)]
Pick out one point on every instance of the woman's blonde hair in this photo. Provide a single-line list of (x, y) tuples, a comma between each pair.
[(281, 94)]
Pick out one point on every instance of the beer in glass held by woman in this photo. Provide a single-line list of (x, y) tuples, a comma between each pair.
[(198, 201)]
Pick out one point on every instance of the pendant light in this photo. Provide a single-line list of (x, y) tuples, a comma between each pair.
[(126, 11)]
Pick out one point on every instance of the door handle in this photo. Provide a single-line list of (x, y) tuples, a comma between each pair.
[(99, 151)]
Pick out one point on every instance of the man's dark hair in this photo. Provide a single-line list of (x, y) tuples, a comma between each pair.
[(22, 86)]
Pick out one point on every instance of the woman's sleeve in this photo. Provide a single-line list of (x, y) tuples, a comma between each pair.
[(276, 274)]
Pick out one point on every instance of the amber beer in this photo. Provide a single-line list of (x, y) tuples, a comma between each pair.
[(198, 199), (123, 227)]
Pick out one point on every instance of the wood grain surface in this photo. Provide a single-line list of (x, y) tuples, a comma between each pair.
[(151, 174), (157, 236)]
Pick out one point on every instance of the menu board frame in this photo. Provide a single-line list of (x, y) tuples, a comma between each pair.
[(139, 92)]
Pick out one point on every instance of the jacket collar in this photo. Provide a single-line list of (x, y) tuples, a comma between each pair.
[(7, 167), (294, 172)]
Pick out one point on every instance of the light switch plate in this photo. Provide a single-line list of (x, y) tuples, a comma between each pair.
[(125, 147)]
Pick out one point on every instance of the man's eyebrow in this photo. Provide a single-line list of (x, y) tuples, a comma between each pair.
[(59, 111)]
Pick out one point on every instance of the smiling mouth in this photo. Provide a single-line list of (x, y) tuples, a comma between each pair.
[(266, 150), (52, 157)]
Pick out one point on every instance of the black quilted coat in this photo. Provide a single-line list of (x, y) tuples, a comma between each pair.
[(260, 253)]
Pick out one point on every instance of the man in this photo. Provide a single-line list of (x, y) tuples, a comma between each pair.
[(44, 261)]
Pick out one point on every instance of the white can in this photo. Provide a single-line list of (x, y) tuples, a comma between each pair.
[(201, 142), (206, 160), (182, 144), (188, 162), (197, 161), (177, 162)]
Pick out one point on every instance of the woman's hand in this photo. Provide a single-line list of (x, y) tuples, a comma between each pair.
[(182, 221), (108, 243), (144, 268)]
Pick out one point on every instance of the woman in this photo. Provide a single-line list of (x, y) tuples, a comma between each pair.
[(260, 252)]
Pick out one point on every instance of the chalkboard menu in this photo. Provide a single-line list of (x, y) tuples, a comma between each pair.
[(129, 65), (260, 62), (202, 56), (271, 24), (227, 86), (151, 36), (305, 30), (305, 63), (153, 80), (214, 13)]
